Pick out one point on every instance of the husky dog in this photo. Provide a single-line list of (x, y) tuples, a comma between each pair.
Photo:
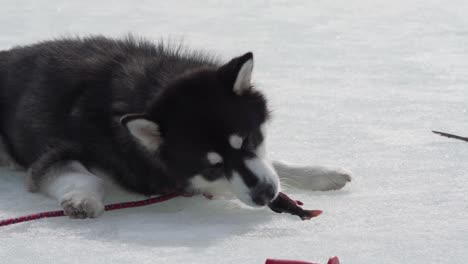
[(152, 118)]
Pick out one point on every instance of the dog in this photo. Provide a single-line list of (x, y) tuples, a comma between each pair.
[(150, 117)]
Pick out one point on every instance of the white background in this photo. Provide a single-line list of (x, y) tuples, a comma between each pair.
[(353, 84)]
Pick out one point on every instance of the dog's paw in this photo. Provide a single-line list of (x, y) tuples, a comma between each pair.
[(81, 205), (335, 179), (314, 178)]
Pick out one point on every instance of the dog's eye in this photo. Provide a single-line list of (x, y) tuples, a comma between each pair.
[(218, 165), (252, 140)]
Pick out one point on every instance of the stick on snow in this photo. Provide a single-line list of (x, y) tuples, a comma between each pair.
[(450, 135)]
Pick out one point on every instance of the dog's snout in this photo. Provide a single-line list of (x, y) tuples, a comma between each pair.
[(262, 196), (255, 182)]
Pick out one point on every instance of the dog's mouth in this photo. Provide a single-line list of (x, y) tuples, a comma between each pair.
[(264, 195), (266, 182), (258, 196)]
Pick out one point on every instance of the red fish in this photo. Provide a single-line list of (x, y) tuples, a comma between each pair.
[(283, 204)]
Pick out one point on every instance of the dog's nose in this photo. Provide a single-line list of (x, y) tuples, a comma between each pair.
[(262, 196)]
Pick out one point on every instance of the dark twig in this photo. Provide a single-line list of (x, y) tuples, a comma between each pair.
[(451, 135)]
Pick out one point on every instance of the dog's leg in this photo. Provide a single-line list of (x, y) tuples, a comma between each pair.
[(5, 159), (311, 177), (79, 192)]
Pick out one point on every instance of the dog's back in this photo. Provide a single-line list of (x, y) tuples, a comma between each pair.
[(63, 99)]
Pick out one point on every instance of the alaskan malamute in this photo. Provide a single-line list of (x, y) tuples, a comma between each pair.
[(152, 118)]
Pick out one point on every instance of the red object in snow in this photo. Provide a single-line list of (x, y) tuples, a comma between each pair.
[(281, 204), (332, 260), (284, 204), (109, 207)]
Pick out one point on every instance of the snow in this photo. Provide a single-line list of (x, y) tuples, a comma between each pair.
[(354, 84)]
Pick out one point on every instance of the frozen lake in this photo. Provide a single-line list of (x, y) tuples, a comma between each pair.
[(353, 84)]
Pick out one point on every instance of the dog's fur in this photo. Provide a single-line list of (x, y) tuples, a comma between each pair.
[(154, 118)]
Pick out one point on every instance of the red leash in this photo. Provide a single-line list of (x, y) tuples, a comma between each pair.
[(124, 205), (109, 207), (282, 204)]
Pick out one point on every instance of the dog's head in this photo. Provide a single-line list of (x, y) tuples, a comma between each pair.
[(208, 127)]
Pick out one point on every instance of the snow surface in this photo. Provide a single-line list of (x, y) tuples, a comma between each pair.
[(353, 84)]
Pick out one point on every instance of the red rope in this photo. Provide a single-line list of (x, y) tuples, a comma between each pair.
[(109, 207)]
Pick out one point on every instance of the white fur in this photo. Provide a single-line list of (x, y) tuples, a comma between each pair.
[(219, 187), (235, 141), (313, 178), (146, 132), (214, 158), (241, 190), (78, 191), (261, 149), (82, 205), (244, 76), (264, 171)]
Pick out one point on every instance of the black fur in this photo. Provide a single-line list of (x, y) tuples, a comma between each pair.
[(63, 100)]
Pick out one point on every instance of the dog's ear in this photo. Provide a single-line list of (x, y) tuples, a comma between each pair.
[(237, 73), (144, 130)]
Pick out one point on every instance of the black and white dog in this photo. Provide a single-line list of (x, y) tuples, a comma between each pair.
[(152, 118)]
